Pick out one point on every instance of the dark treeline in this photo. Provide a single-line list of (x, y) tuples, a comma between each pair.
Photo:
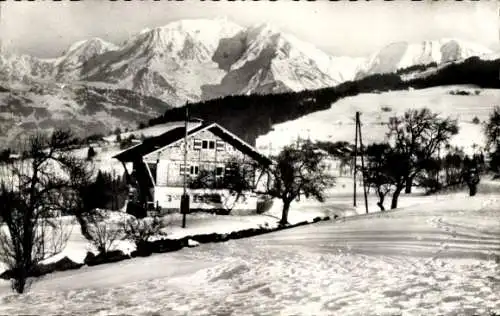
[(483, 73), (253, 115), (415, 68)]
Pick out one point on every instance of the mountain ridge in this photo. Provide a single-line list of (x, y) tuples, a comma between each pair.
[(97, 85), (199, 59)]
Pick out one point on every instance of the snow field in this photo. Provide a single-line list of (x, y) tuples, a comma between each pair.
[(337, 123), (435, 255)]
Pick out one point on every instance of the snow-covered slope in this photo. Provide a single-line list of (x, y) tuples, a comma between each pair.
[(436, 256), (86, 110), (401, 55), (337, 123)]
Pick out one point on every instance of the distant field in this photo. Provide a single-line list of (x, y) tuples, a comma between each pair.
[(337, 123)]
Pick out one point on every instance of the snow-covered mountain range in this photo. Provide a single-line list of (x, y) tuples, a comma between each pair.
[(402, 55), (187, 60), (192, 60)]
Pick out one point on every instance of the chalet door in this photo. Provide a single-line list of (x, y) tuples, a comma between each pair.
[(162, 173)]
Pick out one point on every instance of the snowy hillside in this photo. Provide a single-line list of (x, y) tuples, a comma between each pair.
[(403, 55), (438, 255), (86, 110), (337, 123)]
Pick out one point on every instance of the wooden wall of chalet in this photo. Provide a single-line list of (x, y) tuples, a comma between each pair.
[(171, 158)]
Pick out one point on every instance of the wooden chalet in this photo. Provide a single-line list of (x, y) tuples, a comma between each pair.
[(158, 167)]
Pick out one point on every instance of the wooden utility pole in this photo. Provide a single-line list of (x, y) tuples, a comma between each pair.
[(355, 159), (362, 160), (185, 196), (358, 133)]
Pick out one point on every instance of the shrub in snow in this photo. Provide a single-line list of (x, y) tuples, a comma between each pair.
[(103, 235), (42, 269), (107, 257), (206, 238), (140, 231), (166, 245)]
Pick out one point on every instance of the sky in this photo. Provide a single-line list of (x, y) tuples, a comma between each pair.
[(47, 28)]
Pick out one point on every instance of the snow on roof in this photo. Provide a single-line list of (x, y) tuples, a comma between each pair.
[(152, 144)]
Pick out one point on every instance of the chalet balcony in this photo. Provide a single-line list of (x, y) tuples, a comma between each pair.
[(192, 183)]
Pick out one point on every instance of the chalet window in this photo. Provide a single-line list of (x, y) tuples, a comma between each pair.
[(220, 145), (211, 144), (197, 144), (191, 170), (204, 144), (183, 169), (194, 170), (219, 171)]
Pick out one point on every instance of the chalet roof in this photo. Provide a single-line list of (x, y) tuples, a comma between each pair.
[(155, 143)]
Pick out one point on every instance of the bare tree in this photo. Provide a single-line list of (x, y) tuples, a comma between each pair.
[(453, 166), (417, 136), (297, 171), (492, 133), (378, 171), (34, 190)]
